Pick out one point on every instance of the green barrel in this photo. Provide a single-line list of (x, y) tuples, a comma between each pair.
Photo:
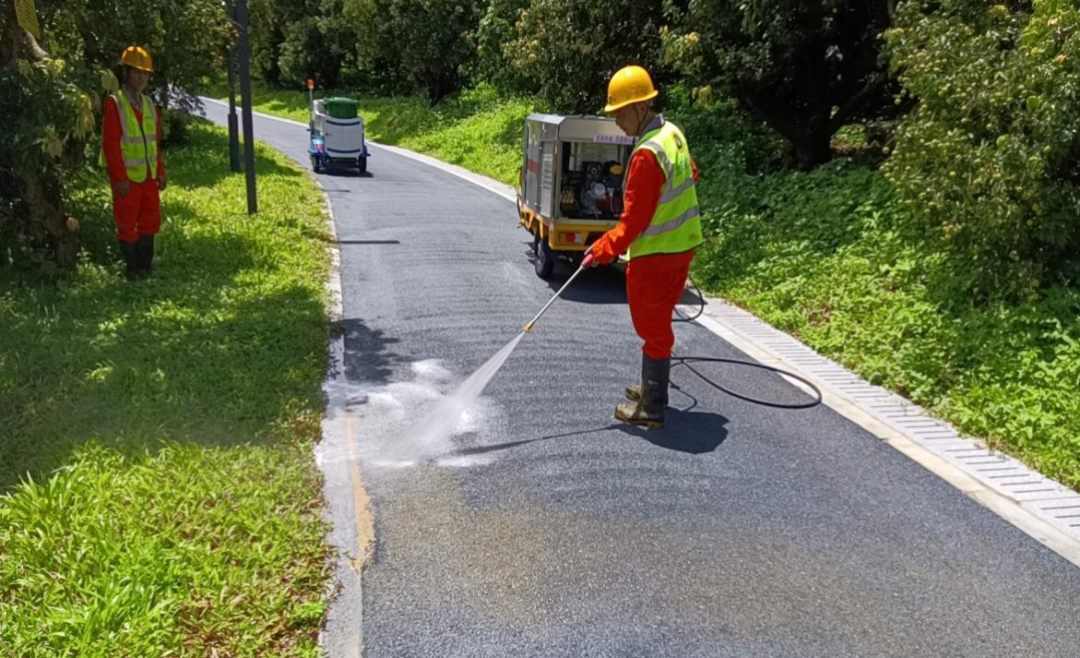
[(341, 107)]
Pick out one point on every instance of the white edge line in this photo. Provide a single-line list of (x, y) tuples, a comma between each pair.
[(336, 407)]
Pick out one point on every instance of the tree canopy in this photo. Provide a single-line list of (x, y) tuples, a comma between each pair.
[(973, 103)]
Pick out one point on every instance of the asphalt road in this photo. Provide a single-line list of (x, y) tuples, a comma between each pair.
[(545, 529)]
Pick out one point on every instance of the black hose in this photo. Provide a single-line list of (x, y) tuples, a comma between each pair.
[(701, 309), (687, 360)]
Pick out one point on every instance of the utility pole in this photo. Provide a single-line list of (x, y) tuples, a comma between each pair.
[(234, 137), (245, 93)]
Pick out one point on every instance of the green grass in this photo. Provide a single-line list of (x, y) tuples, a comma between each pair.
[(827, 257), (476, 130), (162, 431)]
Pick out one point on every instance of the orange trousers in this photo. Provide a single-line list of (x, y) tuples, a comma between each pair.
[(138, 213), (654, 285)]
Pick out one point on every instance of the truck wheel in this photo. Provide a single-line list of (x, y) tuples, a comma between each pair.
[(315, 166), (545, 259), (361, 165)]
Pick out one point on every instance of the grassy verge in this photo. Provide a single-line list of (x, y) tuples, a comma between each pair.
[(827, 257), (159, 491)]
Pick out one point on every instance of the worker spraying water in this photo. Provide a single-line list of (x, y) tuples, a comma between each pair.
[(433, 431), (658, 230)]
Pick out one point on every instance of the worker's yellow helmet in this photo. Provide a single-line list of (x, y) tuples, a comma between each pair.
[(137, 58), (631, 84)]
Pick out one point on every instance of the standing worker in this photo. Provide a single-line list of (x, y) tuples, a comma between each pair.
[(659, 229), (131, 146)]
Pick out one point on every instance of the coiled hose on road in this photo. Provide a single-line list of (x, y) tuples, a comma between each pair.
[(687, 360)]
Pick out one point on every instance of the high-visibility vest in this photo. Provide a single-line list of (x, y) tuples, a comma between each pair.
[(676, 225), (138, 141)]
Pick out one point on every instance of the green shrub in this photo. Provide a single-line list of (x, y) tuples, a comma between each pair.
[(567, 51), (175, 128), (991, 160), (425, 42), (721, 134), (807, 68)]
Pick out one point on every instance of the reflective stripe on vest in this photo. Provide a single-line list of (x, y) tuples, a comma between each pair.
[(138, 142), (676, 225)]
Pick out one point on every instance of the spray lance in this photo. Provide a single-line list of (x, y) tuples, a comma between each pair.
[(589, 261)]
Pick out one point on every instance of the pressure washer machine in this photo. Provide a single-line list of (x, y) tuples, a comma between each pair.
[(570, 190)]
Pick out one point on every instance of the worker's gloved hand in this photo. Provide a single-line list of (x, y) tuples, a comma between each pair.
[(590, 261), (601, 252), (123, 188)]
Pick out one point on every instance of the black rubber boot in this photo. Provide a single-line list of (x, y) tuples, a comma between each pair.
[(129, 250), (145, 252), (649, 409)]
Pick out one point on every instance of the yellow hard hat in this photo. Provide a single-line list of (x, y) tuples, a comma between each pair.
[(631, 84), (137, 58)]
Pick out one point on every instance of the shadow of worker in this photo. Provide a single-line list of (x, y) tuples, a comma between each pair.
[(692, 432)]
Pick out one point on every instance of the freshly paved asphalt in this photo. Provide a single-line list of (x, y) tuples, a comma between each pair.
[(547, 530)]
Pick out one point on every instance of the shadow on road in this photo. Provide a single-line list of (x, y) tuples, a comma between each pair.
[(694, 433), (367, 358), (602, 285), (480, 450), (342, 172), (367, 242)]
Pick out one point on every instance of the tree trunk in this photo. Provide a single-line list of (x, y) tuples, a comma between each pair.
[(813, 148), (39, 198), (40, 203), (811, 141)]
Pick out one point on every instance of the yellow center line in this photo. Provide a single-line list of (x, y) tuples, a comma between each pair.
[(365, 523)]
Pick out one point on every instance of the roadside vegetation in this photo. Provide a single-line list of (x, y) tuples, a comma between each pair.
[(896, 182), (160, 495)]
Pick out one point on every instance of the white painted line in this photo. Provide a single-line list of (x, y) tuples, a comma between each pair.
[(799, 385), (489, 184)]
